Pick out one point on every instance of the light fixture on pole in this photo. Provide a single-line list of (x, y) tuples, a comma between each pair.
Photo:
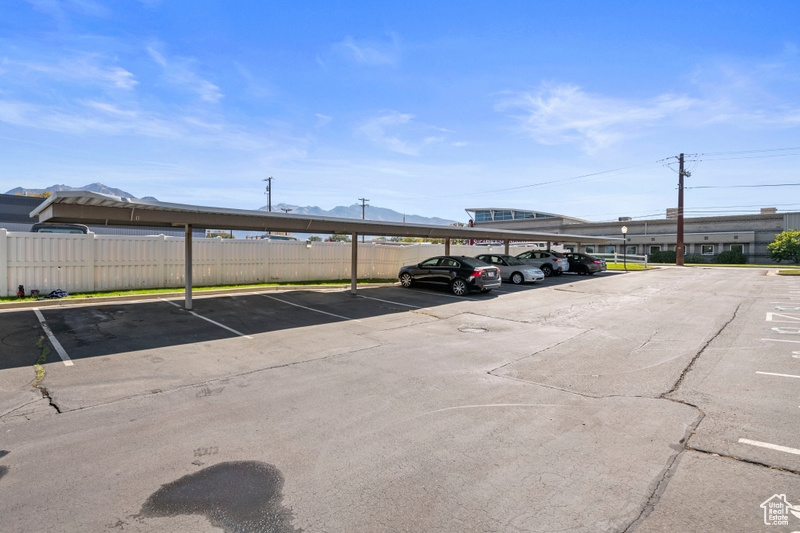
[(625, 247)]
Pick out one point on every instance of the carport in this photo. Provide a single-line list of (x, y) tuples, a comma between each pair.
[(99, 209)]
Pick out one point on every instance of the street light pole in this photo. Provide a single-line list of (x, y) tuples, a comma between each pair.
[(625, 247)]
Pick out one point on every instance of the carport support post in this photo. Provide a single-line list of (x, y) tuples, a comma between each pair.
[(507, 244), (354, 263), (447, 246), (187, 257)]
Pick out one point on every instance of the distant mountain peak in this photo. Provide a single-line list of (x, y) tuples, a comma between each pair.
[(92, 187), (354, 211)]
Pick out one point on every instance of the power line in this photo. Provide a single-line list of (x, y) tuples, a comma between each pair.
[(744, 186)]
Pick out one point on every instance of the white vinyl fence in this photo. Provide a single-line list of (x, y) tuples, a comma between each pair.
[(88, 263)]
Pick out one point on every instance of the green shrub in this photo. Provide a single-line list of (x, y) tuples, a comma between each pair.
[(694, 258), (731, 257), (663, 256)]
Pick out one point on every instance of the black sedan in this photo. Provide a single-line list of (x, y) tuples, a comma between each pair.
[(460, 273), (585, 264)]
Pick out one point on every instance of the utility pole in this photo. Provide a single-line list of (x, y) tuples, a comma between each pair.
[(364, 206), (268, 192), (679, 246)]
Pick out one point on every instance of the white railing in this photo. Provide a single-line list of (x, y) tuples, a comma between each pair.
[(90, 263), (621, 258)]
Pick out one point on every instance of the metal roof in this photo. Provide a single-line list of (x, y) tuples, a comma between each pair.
[(99, 209)]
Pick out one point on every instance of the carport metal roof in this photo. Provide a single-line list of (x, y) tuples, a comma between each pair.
[(99, 209)]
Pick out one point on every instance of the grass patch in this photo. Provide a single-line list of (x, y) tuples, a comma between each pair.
[(789, 272), (631, 266), (173, 290), (40, 361)]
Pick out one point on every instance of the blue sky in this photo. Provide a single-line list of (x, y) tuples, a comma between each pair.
[(426, 108)]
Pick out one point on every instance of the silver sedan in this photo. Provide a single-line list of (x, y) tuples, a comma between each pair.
[(512, 269)]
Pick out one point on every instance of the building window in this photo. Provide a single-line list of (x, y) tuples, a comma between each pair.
[(655, 249), (737, 248), (519, 215), (610, 249), (589, 249), (707, 249), (630, 249), (483, 216)]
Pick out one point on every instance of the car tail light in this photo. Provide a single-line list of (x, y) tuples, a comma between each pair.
[(597, 262)]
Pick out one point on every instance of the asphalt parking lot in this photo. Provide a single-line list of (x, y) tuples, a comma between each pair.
[(645, 401)]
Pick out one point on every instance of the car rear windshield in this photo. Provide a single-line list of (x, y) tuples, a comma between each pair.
[(471, 261)]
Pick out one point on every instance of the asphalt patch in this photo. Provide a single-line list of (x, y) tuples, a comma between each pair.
[(239, 497)]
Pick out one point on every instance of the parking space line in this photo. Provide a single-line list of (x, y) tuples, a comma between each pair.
[(780, 375), (310, 308), (57, 345), (223, 326), (389, 301), (770, 446), (780, 340)]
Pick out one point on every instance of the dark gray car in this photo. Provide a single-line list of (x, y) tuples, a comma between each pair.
[(460, 273)]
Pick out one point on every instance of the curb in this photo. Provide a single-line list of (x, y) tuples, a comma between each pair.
[(66, 302)]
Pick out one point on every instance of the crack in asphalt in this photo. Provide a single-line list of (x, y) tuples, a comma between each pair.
[(689, 367)]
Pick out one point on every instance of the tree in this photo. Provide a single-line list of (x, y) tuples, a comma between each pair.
[(337, 237), (315, 238), (786, 246)]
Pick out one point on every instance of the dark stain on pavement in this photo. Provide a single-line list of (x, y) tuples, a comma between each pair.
[(239, 497)]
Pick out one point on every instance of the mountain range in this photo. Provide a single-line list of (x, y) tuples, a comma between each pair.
[(354, 211), (351, 211), (92, 187)]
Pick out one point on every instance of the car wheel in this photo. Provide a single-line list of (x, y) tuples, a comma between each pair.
[(558, 272), (516, 278), (547, 270), (590, 273), (405, 280), (459, 287), (582, 271)]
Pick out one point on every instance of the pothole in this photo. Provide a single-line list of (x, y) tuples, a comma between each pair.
[(472, 329)]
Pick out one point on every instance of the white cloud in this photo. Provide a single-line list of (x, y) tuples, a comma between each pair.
[(561, 114), (84, 69), (59, 8), (385, 131), (180, 72), (371, 53)]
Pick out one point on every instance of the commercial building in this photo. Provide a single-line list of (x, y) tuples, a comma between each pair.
[(705, 236)]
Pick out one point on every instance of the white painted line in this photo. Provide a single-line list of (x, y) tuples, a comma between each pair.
[(389, 301), (309, 308), (771, 317), (780, 375), (770, 446), (57, 345), (223, 326), (781, 340), (787, 331)]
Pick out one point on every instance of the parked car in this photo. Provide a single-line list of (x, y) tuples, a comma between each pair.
[(551, 263), (585, 264), (512, 269), (462, 274)]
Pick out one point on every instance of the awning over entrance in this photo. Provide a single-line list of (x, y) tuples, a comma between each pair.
[(99, 209)]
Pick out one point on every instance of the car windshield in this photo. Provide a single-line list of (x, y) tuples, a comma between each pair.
[(559, 255), (513, 261)]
